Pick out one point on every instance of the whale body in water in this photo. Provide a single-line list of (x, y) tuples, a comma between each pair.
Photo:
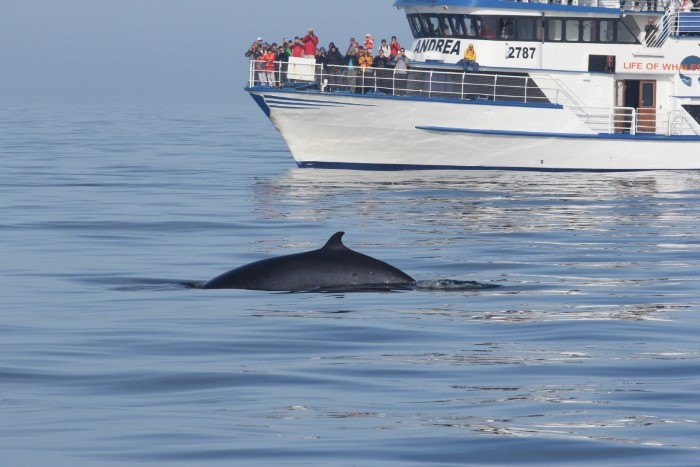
[(333, 267)]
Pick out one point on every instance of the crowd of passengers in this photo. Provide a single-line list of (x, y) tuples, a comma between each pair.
[(357, 69)]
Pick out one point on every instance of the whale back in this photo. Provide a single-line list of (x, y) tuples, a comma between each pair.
[(333, 266)]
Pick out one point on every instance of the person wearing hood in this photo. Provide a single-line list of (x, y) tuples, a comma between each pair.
[(334, 61), (321, 57)]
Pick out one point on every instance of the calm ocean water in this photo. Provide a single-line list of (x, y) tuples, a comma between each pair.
[(587, 353)]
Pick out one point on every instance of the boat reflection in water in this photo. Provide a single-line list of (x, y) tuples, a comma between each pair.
[(508, 201)]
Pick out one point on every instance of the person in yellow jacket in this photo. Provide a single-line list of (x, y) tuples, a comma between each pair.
[(367, 75), (469, 59)]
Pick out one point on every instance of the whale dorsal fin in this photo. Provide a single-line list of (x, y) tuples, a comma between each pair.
[(335, 242)]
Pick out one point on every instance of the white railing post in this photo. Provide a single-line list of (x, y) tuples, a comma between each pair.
[(525, 89), (495, 83), (430, 84)]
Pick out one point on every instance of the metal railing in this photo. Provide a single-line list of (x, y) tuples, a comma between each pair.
[(468, 86), (675, 24), (633, 121), (411, 82)]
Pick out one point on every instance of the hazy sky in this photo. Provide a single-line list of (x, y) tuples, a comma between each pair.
[(161, 51)]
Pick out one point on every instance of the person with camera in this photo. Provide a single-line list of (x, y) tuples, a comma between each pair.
[(394, 48), (381, 65), (310, 42), (366, 62), (401, 73), (352, 61)]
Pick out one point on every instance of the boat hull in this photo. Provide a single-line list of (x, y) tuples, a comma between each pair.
[(380, 132)]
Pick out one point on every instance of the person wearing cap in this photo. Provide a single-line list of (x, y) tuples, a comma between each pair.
[(369, 42), (310, 41)]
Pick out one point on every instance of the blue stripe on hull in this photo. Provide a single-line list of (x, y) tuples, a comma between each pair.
[(405, 167), (537, 134)]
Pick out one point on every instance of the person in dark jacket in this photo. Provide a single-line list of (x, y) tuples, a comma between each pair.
[(381, 63), (283, 60), (321, 58), (334, 61)]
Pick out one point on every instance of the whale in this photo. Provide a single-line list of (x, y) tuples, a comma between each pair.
[(332, 267)]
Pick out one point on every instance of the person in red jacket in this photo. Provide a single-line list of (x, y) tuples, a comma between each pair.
[(395, 48), (310, 41), (297, 48), (269, 57)]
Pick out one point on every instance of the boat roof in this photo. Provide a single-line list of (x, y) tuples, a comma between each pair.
[(589, 6)]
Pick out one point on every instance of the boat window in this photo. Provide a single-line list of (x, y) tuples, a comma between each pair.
[(432, 25), (456, 23), (520, 28), (648, 94), (506, 28), (525, 28), (414, 23), (589, 30), (607, 31), (572, 27), (624, 35), (487, 26), (554, 30), (471, 26)]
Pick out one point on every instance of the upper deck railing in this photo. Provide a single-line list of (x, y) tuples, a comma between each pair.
[(306, 75), (301, 74)]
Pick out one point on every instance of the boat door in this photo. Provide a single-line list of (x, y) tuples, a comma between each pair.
[(639, 95), (646, 108)]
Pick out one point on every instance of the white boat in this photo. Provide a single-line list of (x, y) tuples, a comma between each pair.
[(560, 86)]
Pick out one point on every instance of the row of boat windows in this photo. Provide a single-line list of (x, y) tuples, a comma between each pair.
[(521, 28)]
